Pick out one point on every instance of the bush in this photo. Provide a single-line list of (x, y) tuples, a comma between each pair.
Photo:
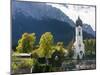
[(26, 63), (14, 67), (38, 68), (26, 42)]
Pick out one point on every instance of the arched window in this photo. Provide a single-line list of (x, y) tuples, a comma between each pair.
[(79, 31), (81, 52)]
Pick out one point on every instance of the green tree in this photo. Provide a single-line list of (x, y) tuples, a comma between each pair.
[(45, 43), (69, 47), (26, 42), (60, 47), (90, 46)]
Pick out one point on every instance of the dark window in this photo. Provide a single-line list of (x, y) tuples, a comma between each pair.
[(81, 52), (79, 45), (79, 33)]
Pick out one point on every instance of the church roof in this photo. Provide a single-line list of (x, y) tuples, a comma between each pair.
[(78, 22)]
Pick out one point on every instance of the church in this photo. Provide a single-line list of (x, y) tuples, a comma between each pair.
[(78, 46)]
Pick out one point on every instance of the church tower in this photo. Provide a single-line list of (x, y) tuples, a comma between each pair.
[(78, 46)]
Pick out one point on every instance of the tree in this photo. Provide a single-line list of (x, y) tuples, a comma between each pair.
[(45, 43), (60, 46), (90, 46), (25, 44), (57, 58), (69, 47)]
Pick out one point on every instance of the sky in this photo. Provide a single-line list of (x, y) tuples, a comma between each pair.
[(86, 13)]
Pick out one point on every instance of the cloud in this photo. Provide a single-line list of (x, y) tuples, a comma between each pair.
[(86, 13)]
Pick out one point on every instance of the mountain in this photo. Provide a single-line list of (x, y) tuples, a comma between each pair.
[(39, 11), (87, 28), (40, 18)]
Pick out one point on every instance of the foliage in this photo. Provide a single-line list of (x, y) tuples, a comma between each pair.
[(57, 58), (90, 47), (26, 63), (60, 47), (22, 64), (45, 43), (18, 63), (41, 68), (14, 67), (70, 51), (35, 54), (25, 44)]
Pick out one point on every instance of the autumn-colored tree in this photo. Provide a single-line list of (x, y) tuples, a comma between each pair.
[(45, 43), (60, 47), (26, 42)]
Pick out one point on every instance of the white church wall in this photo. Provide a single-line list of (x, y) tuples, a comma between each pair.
[(78, 45)]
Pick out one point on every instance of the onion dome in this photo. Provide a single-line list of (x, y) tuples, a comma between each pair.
[(78, 22)]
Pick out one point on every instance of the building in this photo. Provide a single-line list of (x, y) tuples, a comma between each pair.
[(78, 46)]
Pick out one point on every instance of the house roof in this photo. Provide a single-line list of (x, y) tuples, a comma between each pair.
[(22, 54)]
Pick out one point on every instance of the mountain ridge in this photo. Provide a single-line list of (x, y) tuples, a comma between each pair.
[(25, 20)]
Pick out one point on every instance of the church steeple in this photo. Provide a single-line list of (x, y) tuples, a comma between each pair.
[(78, 47), (78, 22)]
